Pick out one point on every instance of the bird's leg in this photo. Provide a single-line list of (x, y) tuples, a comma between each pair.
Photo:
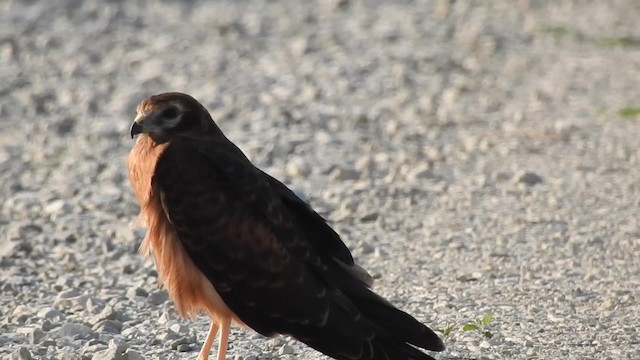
[(223, 343), (206, 347)]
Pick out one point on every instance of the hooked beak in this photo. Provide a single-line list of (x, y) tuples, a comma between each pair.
[(136, 127)]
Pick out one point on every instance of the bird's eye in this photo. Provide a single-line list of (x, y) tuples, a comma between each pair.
[(170, 113)]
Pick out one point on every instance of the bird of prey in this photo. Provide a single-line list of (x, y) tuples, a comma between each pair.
[(237, 244)]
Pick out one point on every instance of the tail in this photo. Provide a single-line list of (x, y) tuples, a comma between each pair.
[(369, 328), (396, 321)]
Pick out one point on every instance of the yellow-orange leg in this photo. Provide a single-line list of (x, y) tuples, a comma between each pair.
[(206, 347), (223, 343)]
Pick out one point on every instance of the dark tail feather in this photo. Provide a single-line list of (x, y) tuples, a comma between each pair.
[(400, 325), (397, 322), (344, 338)]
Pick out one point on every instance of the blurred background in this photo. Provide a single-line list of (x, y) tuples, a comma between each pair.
[(480, 158)]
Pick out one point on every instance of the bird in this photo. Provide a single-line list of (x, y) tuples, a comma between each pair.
[(235, 243)]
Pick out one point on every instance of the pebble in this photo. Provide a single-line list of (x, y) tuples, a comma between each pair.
[(51, 314), (57, 206), (131, 354), (184, 347), (34, 335), (135, 292), (21, 354), (529, 178), (76, 330), (181, 340), (46, 325), (158, 297), (285, 350), (107, 313), (276, 342), (179, 328), (298, 167), (88, 350), (108, 326), (341, 174), (68, 294)]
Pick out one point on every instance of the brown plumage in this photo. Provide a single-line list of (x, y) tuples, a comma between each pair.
[(232, 241)]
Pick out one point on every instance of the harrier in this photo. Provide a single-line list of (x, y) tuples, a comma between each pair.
[(237, 244)]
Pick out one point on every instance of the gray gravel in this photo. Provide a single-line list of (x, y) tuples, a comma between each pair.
[(471, 153)]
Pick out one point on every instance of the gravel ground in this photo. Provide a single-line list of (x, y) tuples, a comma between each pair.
[(473, 154)]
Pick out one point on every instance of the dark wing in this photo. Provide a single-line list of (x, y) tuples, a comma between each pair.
[(322, 237), (277, 279)]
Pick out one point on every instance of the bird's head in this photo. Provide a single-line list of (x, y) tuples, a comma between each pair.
[(167, 115)]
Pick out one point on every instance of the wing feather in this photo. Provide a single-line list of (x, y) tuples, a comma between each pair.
[(268, 255)]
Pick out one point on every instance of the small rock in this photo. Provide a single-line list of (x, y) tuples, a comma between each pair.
[(184, 348), (379, 253), (94, 304), (168, 337), (6, 288), (89, 350), (341, 174), (298, 167), (129, 269), (420, 172), (68, 299), (21, 354), (349, 205), (109, 354), (131, 333), (371, 216), (106, 314), (46, 325), (114, 352), (608, 304), (107, 246), (166, 316), (364, 164), (299, 46), (131, 354), (365, 248), (276, 342), (181, 341), (49, 342), (34, 335), (179, 328), (108, 326), (68, 294), (56, 207), (158, 297), (285, 350), (70, 262), (51, 314), (21, 310), (529, 178), (133, 293), (62, 282), (75, 330)]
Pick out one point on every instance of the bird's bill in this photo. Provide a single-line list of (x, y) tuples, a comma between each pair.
[(136, 128)]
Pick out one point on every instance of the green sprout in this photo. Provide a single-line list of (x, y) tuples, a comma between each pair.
[(446, 331), (480, 325), (629, 112), (622, 42)]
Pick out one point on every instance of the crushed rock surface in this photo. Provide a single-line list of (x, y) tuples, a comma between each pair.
[(477, 157)]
